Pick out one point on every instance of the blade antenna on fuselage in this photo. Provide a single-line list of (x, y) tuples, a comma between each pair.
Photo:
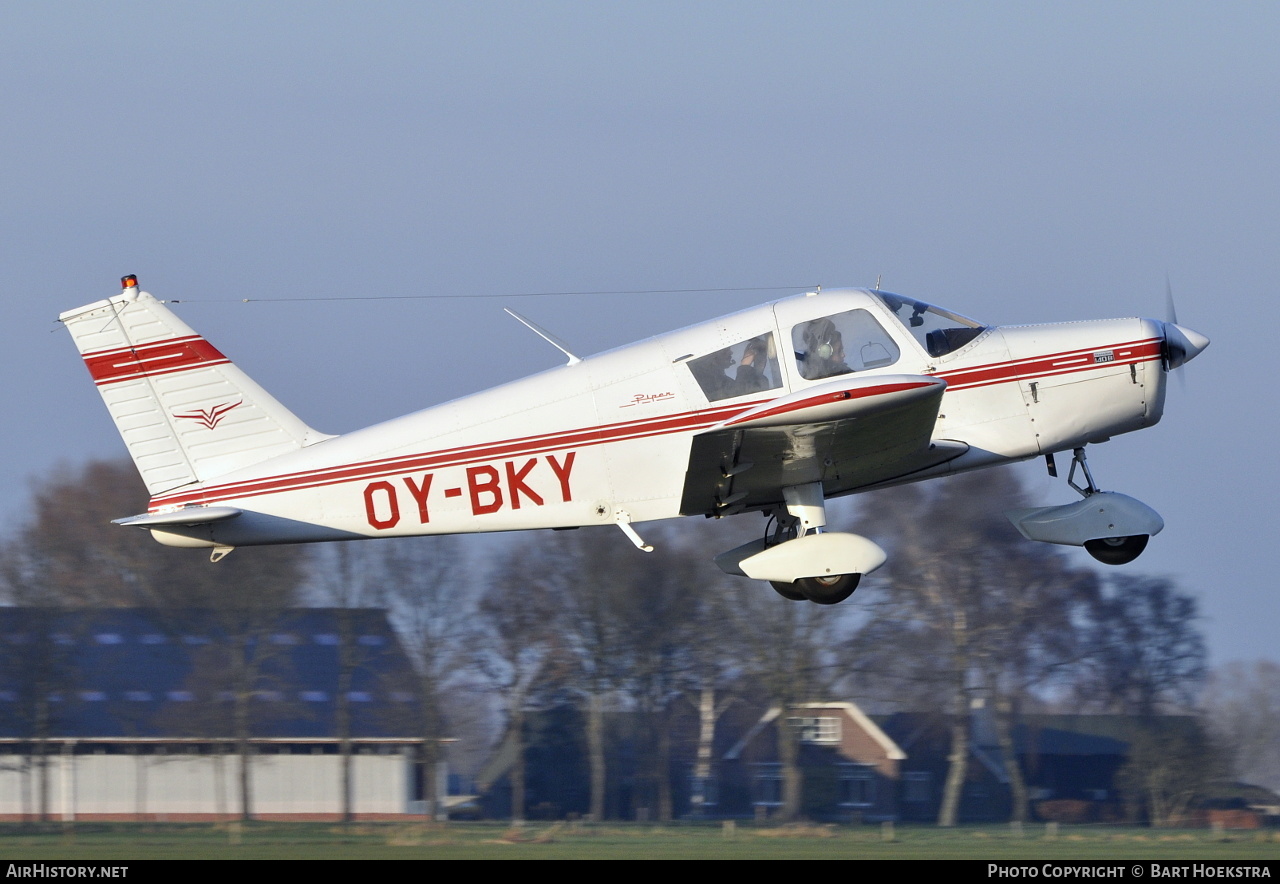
[(545, 335)]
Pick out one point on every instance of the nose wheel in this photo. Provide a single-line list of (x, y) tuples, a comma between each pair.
[(820, 590), (1117, 550), (1112, 527)]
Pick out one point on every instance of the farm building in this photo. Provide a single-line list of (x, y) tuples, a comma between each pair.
[(186, 715)]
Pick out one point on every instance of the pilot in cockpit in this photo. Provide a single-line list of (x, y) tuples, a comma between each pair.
[(824, 351)]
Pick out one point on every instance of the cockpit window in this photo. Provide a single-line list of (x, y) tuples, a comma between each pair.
[(939, 331), (747, 367), (841, 343)]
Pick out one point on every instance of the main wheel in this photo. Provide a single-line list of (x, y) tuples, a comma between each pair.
[(828, 590), (788, 591), (1117, 550)]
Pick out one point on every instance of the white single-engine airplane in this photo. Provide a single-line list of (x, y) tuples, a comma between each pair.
[(774, 409)]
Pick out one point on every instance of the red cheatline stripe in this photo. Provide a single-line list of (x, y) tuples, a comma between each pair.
[(1045, 366), (1063, 358), (828, 399), (580, 438), (150, 360), (977, 376)]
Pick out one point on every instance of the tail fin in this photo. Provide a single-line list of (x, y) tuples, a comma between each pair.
[(186, 413)]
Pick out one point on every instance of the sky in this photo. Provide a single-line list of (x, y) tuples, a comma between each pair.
[(1013, 162)]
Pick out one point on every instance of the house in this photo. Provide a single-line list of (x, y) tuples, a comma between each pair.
[(129, 714), (850, 767), (1071, 761)]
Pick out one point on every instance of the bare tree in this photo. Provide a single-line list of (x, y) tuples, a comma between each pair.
[(37, 661), (660, 603), (714, 662), (595, 580), (436, 620), (1171, 762), (1242, 708), (69, 549), (521, 649), (1146, 654), (966, 611), (342, 578), (787, 653)]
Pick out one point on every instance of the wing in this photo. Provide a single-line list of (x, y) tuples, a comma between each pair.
[(847, 434)]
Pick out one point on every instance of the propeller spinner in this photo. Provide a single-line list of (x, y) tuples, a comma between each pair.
[(1181, 344)]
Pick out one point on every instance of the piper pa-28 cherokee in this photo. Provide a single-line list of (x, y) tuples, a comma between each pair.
[(774, 410)]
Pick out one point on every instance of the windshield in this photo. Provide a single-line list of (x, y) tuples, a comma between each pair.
[(939, 331)]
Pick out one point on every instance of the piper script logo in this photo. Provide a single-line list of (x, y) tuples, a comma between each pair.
[(208, 417)]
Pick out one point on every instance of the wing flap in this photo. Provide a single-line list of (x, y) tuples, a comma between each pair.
[(848, 434)]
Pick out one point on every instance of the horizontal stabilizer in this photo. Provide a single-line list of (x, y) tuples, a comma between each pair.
[(192, 515)]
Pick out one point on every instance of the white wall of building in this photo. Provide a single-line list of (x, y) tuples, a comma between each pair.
[(81, 785)]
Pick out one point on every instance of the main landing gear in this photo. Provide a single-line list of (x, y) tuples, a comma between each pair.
[(801, 560), (1113, 528)]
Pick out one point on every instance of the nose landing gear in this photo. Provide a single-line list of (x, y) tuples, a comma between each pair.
[(1113, 528)]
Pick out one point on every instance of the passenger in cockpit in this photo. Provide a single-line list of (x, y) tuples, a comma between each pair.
[(750, 377), (710, 370)]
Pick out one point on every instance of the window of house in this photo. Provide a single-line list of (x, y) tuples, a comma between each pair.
[(842, 343), (749, 366), (817, 728), (857, 785)]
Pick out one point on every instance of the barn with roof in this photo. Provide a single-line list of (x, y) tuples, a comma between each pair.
[(188, 714)]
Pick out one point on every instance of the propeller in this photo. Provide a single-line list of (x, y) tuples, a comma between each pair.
[(1181, 344)]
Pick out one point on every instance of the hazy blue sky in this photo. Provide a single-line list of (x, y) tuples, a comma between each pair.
[(1017, 162)]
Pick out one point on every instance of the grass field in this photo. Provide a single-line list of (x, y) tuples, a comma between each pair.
[(125, 841)]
